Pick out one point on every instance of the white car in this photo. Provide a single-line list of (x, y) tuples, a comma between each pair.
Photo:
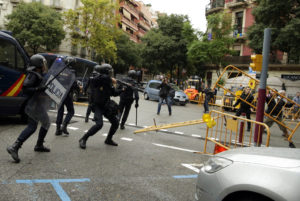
[(250, 174)]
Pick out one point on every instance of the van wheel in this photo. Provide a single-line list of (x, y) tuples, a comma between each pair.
[(75, 96), (146, 97)]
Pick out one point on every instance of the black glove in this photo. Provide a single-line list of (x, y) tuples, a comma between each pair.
[(41, 88), (136, 105)]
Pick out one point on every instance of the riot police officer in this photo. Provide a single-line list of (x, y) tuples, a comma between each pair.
[(128, 95), (32, 88), (68, 102), (88, 90), (101, 90)]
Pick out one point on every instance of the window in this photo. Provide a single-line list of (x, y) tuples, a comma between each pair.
[(9, 54), (239, 22), (154, 85)]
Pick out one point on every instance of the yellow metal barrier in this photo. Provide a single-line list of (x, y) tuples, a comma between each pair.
[(230, 132), (275, 99)]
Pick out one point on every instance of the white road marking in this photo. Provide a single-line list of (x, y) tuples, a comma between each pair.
[(163, 130), (79, 115), (86, 131), (53, 124), (178, 132), (126, 139), (193, 135), (177, 148), (105, 119), (73, 128), (131, 124), (145, 126), (191, 166), (104, 134)]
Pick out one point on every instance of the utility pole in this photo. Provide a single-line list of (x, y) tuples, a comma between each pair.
[(262, 87)]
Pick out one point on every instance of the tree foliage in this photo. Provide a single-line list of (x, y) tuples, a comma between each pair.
[(128, 54), (213, 46), (36, 25), (164, 48), (283, 17), (93, 26)]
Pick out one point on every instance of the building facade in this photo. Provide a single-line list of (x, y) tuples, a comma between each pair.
[(136, 19), (242, 19)]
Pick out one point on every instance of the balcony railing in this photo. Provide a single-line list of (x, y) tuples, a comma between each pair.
[(237, 4), (129, 23), (129, 8), (144, 25), (214, 6)]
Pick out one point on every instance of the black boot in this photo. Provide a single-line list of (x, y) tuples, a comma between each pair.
[(86, 119), (39, 147), (122, 127), (13, 150), (82, 141), (58, 130), (64, 129), (109, 141)]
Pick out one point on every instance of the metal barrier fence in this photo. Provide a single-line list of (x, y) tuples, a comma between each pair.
[(230, 132), (280, 108)]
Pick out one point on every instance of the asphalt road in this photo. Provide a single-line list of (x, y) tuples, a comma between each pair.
[(146, 166)]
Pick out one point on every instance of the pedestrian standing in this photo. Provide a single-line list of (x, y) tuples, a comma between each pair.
[(68, 102), (32, 87), (101, 90), (296, 107), (88, 91), (208, 95), (127, 97), (164, 96), (244, 100)]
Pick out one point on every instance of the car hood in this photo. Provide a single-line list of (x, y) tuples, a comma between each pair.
[(271, 156)]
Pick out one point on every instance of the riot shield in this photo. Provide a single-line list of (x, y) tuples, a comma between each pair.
[(58, 80)]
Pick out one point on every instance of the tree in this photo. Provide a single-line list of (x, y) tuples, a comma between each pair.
[(213, 47), (94, 27), (164, 49), (36, 25), (283, 17), (128, 54)]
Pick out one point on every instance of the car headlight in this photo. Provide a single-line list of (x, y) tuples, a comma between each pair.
[(215, 164)]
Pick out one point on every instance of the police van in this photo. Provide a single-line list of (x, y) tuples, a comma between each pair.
[(13, 64)]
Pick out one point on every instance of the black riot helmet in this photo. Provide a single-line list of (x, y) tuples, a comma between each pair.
[(104, 69), (132, 74), (38, 61)]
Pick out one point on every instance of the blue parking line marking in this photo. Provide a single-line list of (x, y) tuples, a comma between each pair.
[(55, 183), (190, 176)]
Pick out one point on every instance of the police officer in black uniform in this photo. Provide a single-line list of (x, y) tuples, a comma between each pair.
[(128, 95), (88, 90), (68, 102), (102, 88), (32, 86)]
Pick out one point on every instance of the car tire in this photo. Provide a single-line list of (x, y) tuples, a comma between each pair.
[(146, 97), (75, 96), (248, 197)]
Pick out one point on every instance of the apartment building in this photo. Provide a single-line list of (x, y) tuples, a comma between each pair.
[(242, 19), (136, 19)]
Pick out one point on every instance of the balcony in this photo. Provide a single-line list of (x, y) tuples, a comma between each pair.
[(129, 23), (133, 11), (15, 1), (141, 33), (237, 4), (144, 25), (215, 6)]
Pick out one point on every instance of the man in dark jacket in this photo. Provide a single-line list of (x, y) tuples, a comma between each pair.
[(164, 95), (209, 94), (245, 107), (128, 95), (32, 88), (102, 89), (275, 110)]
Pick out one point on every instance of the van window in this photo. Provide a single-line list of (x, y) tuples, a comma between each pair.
[(154, 85), (8, 56)]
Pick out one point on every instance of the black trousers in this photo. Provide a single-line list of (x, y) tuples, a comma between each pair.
[(68, 102), (248, 113), (124, 104), (99, 113), (30, 129)]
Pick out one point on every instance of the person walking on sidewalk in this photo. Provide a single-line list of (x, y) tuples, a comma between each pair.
[(32, 88), (296, 107), (164, 95)]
